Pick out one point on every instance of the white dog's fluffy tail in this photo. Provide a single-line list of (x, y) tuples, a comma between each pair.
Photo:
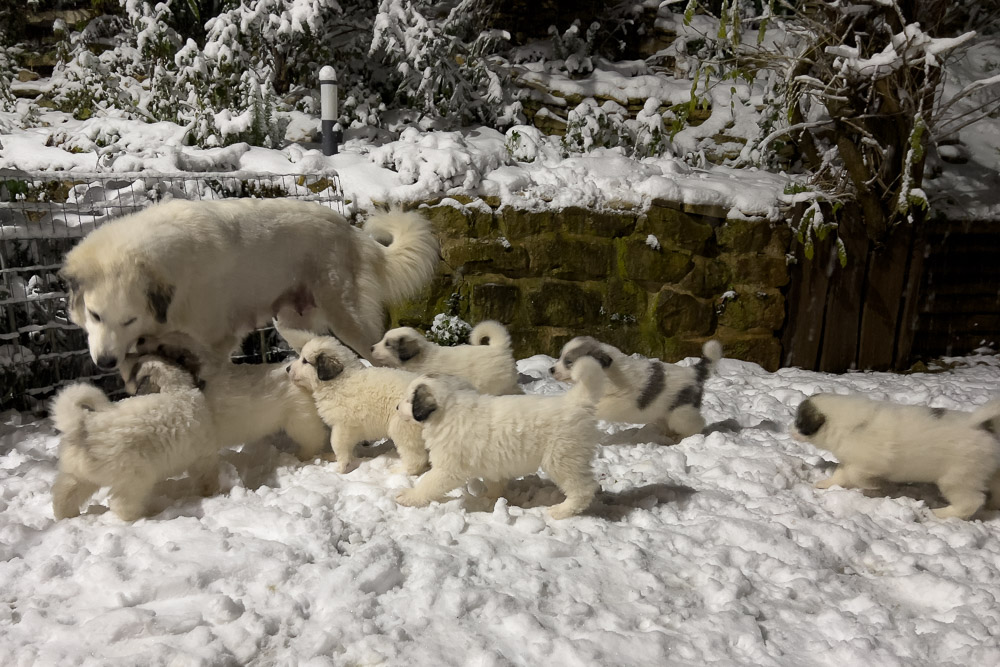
[(490, 332), (412, 256), (71, 405), (588, 382), (987, 416), (711, 352)]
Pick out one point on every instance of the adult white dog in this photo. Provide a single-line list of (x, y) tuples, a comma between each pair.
[(216, 269), (499, 438), (247, 401), (134, 443), (357, 402), (878, 440), (645, 391), (487, 361)]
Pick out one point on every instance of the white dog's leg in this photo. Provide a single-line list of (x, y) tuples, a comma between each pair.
[(434, 485), (994, 503), (848, 478), (205, 473), (963, 493), (685, 421), (409, 444), (129, 501), (342, 440), (309, 433), (573, 475), (68, 493)]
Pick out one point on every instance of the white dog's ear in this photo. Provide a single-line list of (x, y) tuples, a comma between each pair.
[(406, 347), (423, 403), (296, 338), (327, 367), (159, 294), (808, 418), (74, 288)]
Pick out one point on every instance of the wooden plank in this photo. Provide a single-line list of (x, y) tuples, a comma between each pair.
[(843, 312), (882, 301), (912, 299), (807, 299)]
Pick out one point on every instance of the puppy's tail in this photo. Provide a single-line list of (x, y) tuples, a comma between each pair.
[(70, 407), (588, 382), (411, 255), (711, 352), (987, 417), (490, 332)]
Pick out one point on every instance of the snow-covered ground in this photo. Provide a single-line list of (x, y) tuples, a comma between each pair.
[(715, 550)]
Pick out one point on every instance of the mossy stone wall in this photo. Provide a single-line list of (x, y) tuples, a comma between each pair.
[(552, 275)]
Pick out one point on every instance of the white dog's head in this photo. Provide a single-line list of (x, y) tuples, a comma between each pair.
[(429, 394), (581, 346), (322, 360), (399, 346), (153, 374), (811, 420), (115, 307), (176, 349)]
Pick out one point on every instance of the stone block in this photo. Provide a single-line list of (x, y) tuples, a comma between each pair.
[(494, 301), (568, 258), (761, 307), (564, 304), (759, 346), (676, 229), (479, 256), (758, 269), (744, 236), (609, 224), (679, 312), (707, 278), (517, 223), (639, 261)]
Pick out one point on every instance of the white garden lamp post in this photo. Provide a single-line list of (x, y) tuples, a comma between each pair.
[(328, 109)]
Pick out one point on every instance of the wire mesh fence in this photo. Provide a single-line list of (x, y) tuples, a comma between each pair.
[(43, 214)]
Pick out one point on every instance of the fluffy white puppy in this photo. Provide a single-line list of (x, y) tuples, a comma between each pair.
[(358, 403), (215, 269), (644, 391), (487, 361), (499, 438), (133, 443), (878, 440), (247, 401)]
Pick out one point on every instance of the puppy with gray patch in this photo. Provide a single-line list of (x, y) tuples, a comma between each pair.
[(879, 440), (248, 401), (645, 391), (499, 438), (357, 402), (487, 361), (133, 443)]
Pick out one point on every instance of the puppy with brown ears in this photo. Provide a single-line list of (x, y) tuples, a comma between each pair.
[(487, 361), (645, 391), (133, 443), (357, 402), (499, 438), (879, 440), (248, 401)]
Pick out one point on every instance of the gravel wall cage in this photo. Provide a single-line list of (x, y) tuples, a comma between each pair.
[(43, 214)]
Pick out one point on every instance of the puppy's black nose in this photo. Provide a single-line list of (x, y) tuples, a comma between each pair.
[(106, 362), (141, 341), (373, 348), (552, 370), (288, 368)]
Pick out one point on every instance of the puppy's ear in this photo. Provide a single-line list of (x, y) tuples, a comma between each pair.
[(74, 288), (423, 403), (603, 358), (327, 367), (182, 357), (159, 295), (808, 418), (407, 348)]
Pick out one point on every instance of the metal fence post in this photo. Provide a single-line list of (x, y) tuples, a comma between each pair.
[(328, 110)]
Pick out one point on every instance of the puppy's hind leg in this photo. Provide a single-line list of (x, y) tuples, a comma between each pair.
[(685, 420), (128, 501), (68, 493), (205, 473), (343, 438), (849, 478), (409, 444), (994, 503), (964, 494), (432, 486)]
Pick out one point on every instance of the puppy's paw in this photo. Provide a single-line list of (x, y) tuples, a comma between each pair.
[(344, 467), (824, 483), (563, 511), (64, 511), (410, 498)]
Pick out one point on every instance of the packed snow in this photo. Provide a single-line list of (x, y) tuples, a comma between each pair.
[(716, 549)]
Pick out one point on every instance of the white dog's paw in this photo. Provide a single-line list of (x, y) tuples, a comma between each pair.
[(345, 466), (410, 498), (824, 483), (563, 511)]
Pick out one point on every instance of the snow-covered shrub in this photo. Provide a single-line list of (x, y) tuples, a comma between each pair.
[(449, 330), (6, 74), (444, 66), (440, 161), (589, 126), (575, 50), (526, 143)]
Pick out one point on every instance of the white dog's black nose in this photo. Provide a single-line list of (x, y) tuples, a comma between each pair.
[(552, 370), (106, 362), (288, 368)]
